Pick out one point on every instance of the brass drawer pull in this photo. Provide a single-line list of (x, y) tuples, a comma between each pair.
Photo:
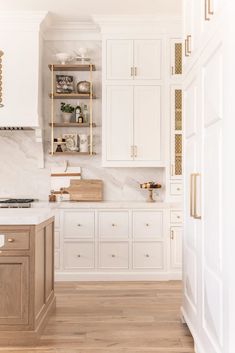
[(114, 225), (147, 224), (79, 225), (147, 255), (10, 240), (113, 255), (186, 47), (78, 255)]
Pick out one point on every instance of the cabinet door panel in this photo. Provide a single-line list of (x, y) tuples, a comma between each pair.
[(147, 59), (176, 247), (14, 293), (119, 59), (147, 123), (119, 123)]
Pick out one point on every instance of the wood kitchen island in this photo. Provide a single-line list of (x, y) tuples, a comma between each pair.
[(26, 274)]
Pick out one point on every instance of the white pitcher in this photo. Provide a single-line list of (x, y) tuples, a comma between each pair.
[(83, 142)]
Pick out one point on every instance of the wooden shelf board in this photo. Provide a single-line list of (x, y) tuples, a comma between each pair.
[(71, 125), (71, 67), (71, 96), (71, 153)]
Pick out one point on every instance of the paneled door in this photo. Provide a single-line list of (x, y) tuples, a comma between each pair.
[(14, 293), (147, 59), (120, 59), (192, 174), (147, 123), (119, 123)]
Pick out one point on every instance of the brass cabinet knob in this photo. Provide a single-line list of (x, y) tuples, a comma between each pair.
[(178, 217), (147, 255), (147, 224), (79, 225), (78, 255), (113, 225), (10, 240), (113, 255)]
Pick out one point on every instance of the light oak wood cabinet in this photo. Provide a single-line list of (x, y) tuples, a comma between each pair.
[(27, 281)]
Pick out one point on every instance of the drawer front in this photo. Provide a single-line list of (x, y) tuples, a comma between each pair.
[(79, 224), (114, 224), (57, 239), (147, 224), (79, 255), (176, 217), (176, 189), (57, 260), (148, 255), (114, 255), (15, 241)]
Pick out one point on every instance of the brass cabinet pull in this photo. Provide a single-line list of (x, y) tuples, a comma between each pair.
[(189, 39), (135, 151), (78, 255), (172, 70), (172, 235), (132, 151), (191, 195), (10, 240), (135, 71), (186, 47), (210, 11), (1, 54), (207, 18), (132, 71), (196, 216), (147, 255)]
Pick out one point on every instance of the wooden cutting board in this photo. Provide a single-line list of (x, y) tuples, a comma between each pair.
[(85, 190)]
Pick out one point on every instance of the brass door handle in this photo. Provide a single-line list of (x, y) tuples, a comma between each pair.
[(207, 18), (196, 216), (135, 71), (186, 47), (193, 196), (1, 54), (132, 71)]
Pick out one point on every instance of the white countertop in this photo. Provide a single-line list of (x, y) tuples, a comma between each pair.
[(107, 205), (24, 216)]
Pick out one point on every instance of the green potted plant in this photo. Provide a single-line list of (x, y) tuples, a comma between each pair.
[(67, 111)]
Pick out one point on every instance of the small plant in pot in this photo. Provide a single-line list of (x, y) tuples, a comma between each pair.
[(67, 111)]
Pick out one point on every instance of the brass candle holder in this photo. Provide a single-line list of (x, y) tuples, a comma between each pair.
[(150, 186)]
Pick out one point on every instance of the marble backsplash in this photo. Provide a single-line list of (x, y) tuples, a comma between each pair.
[(19, 151)]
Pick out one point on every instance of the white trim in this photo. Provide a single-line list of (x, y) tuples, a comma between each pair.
[(117, 276)]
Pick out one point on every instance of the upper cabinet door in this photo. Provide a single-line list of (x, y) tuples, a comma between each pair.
[(147, 59), (120, 59), (119, 123), (147, 127)]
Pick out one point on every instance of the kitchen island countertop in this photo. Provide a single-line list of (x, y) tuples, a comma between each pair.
[(24, 216)]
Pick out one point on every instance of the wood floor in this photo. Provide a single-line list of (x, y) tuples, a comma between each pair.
[(115, 317)]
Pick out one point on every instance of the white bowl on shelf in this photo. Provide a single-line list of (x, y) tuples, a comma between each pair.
[(63, 58)]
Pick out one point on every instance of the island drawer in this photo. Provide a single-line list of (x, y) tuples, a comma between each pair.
[(17, 240)]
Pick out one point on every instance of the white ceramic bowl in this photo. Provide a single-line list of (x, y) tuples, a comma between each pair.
[(63, 58)]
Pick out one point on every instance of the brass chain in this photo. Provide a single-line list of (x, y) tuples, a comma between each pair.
[(1, 54)]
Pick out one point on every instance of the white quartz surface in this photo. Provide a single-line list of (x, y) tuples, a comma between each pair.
[(108, 204), (30, 216)]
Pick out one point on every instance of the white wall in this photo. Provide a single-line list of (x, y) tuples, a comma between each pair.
[(20, 176)]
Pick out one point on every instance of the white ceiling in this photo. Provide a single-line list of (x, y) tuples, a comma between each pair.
[(72, 10)]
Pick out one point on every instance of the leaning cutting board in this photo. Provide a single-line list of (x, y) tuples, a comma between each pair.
[(85, 190)]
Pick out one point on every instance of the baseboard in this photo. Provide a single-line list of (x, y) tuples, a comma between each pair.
[(197, 343), (117, 276)]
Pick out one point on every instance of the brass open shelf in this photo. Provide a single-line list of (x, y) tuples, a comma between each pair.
[(71, 67), (71, 96), (72, 153), (72, 124)]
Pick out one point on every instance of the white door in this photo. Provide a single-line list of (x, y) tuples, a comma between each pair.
[(147, 59), (119, 123), (192, 230), (147, 123), (119, 63), (176, 247), (212, 261)]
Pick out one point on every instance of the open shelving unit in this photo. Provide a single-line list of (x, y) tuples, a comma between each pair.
[(53, 95)]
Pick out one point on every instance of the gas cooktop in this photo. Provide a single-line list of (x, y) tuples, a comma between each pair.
[(15, 203)]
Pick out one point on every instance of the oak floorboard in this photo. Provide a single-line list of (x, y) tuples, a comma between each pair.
[(114, 317)]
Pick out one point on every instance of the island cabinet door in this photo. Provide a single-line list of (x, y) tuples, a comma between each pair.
[(14, 290)]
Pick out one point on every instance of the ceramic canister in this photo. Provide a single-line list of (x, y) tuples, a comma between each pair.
[(83, 142)]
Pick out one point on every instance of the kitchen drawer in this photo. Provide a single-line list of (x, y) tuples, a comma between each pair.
[(148, 255), (114, 255), (176, 217), (15, 241), (176, 189), (79, 224), (147, 224), (79, 255), (114, 224), (57, 260), (57, 239)]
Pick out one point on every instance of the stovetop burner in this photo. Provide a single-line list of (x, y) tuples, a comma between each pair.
[(15, 203)]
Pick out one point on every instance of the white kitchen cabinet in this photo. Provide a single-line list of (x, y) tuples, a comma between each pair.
[(133, 59), (79, 225), (176, 247), (128, 243), (132, 128), (118, 138), (21, 44), (120, 59)]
